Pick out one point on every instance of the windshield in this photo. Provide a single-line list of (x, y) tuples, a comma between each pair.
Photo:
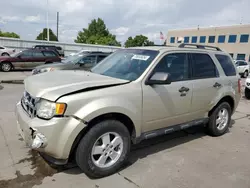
[(127, 64), (73, 58)]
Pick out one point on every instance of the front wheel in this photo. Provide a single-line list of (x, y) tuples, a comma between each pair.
[(6, 66), (220, 119), (104, 149), (247, 93)]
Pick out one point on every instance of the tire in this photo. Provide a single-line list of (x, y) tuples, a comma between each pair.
[(88, 161), (247, 93), (245, 74), (6, 66), (5, 54), (48, 62), (214, 129)]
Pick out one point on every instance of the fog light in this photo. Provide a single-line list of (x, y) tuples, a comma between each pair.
[(39, 141)]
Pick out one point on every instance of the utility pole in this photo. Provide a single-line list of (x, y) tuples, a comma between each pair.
[(57, 23), (47, 20)]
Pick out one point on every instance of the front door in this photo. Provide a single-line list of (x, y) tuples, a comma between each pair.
[(166, 105), (26, 58)]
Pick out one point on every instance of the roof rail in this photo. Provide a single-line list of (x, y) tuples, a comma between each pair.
[(199, 46)]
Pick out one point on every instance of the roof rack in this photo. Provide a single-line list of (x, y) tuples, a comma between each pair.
[(183, 45)]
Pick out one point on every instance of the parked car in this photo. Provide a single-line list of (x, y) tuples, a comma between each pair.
[(133, 94), (58, 49), (28, 59), (242, 67), (4, 51), (247, 88), (84, 61)]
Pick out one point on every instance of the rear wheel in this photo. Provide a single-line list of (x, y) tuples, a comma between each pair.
[(220, 119), (247, 93), (6, 66), (5, 54), (104, 149)]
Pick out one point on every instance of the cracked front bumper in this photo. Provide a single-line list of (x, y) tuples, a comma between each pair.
[(53, 137)]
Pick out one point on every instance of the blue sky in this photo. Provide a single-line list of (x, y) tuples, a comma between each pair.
[(123, 18)]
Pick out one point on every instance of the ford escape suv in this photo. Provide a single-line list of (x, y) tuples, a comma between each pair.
[(133, 94)]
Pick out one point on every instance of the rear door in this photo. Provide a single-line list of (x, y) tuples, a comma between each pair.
[(51, 57), (38, 59), (206, 83)]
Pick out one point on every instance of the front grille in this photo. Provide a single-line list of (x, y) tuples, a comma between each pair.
[(29, 104)]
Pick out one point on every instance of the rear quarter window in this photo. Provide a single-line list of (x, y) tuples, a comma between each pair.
[(226, 64)]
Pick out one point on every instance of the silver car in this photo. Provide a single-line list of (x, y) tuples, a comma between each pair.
[(134, 94), (4, 51)]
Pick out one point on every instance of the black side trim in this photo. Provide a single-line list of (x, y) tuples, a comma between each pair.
[(53, 160), (90, 89), (168, 130)]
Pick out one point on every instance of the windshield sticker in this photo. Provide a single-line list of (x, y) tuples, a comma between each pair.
[(141, 57)]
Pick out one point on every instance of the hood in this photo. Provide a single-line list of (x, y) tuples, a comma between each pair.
[(52, 85)]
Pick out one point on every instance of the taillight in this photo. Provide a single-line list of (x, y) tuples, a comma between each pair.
[(239, 85)]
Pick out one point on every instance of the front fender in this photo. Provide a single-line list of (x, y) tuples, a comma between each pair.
[(112, 105)]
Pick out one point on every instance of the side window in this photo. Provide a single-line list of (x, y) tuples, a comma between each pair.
[(176, 65), (1, 47), (241, 63), (26, 54), (100, 57), (88, 61), (49, 54), (226, 64), (245, 63), (38, 54), (203, 66)]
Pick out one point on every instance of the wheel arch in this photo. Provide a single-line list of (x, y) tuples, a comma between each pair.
[(108, 116), (12, 66), (227, 99)]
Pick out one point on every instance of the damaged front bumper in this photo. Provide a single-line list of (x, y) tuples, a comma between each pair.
[(52, 137)]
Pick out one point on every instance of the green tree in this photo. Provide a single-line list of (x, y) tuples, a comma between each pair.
[(138, 40), (9, 34), (43, 35), (97, 33)]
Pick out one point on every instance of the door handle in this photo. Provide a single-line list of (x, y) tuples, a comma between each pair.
[(216, 85), (183, 89)]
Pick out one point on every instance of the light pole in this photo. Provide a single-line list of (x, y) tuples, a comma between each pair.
[(47, 20)]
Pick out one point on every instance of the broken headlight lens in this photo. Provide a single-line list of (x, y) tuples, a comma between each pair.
[(47, 109)]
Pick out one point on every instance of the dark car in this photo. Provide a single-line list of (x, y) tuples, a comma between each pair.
[(28, 59), (57, 49), (84, 61)]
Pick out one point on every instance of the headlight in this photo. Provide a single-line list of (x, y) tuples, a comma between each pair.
[(47, 109)]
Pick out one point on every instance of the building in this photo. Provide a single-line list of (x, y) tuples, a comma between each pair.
[(233, 39)]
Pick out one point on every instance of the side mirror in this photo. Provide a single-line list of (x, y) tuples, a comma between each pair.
[(159, 78)]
